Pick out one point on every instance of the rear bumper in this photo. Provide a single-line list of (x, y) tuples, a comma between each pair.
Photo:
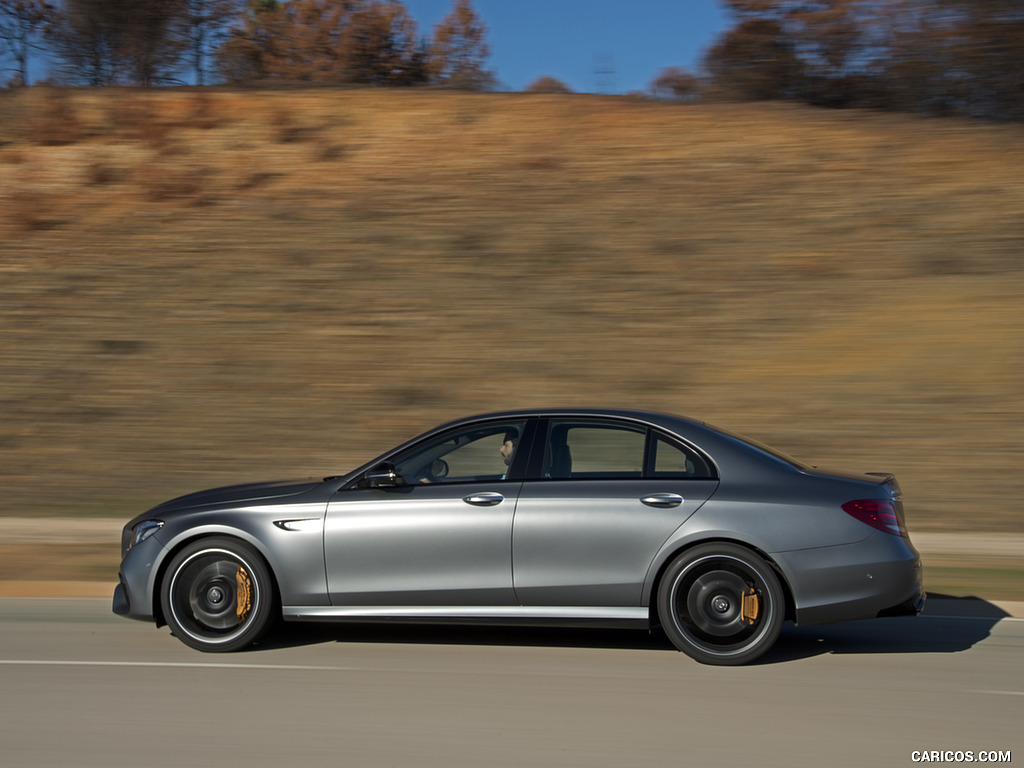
[(879, 576), (910, 607)]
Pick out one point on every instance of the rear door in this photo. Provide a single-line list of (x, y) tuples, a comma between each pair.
[(595, 510)]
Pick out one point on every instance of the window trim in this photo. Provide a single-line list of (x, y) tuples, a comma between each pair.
[(541, 435)]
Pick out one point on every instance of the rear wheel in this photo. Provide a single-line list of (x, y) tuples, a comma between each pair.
[(721, 604), (217, 595)]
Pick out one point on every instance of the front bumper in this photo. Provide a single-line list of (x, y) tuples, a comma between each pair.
[(136, 590), (121, 605)]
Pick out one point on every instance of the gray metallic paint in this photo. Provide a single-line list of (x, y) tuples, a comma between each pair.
[(551, 551), (590, 542), (420, 545)]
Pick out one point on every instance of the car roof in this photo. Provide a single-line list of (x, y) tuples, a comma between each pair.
[(648, 417)]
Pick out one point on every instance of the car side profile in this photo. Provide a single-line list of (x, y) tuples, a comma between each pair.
[(555, 517)]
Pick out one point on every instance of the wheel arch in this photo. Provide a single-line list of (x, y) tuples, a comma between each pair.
[(180, 544), (670, 555)]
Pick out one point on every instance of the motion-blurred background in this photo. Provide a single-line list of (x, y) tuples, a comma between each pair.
[(204, 285)]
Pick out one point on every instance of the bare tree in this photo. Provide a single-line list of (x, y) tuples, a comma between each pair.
[(207, 24), (88, 42), (23, 23), (304, 39), (106, 42), (459, 50), (754, 61), (155, 41), (352, 41), (381, 46), (939, 57), (675, 83), (547, 84), (988, 52), (242, 54)]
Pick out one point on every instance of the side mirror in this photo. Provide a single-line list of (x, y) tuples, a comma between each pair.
[(383, 475)]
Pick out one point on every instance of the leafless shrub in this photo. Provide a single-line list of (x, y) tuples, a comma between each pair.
[(121, 346), (254, 179), (162, 183), (288, 131), (547, 84), (326, 151), (100, 173), (56, 123), (202, 114), (542, 163), (32, 212), (134, 118)]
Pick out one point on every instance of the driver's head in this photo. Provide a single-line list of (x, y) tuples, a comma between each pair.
[(508, 446)]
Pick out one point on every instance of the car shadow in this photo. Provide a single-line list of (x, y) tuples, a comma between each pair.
[(948, 625), (290, 635)]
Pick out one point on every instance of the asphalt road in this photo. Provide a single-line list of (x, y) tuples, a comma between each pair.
[(81, 687)]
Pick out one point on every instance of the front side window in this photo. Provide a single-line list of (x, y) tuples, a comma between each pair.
[(472, 454)]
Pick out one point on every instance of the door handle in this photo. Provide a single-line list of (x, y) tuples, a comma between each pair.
[(485, 499), (662, 500)]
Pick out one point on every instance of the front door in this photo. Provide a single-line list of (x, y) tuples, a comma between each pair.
[(441, 537)]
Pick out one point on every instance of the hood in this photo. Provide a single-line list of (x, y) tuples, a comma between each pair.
[(237, 494)]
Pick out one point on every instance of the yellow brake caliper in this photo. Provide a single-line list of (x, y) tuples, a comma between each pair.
[(243, 602), (751, 607)]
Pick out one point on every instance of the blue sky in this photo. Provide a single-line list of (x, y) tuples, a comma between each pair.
[(613, 46)]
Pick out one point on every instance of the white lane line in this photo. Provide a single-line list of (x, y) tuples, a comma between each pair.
[(169, 664), (1002, 693), (994, 619)]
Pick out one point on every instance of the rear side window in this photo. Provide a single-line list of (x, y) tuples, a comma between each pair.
[(592, 450), (610, 450)]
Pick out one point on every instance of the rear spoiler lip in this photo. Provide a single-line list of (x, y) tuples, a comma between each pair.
[(875, 478)]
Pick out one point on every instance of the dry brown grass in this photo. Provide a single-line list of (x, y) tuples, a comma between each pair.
[(217, 286)]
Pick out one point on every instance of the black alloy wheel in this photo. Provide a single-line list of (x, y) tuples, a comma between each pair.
[(217, 595), (721, 604)]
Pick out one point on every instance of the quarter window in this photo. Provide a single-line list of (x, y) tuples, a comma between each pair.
[(672, 460)]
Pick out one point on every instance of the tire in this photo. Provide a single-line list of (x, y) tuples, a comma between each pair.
[(217, 595), (721, 604)]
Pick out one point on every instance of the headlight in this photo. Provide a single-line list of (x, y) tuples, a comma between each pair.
[(142, 531)]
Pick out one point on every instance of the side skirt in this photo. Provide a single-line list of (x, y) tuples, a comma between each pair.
[(546, 616)]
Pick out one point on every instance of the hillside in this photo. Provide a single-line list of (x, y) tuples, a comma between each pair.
[(200, 288)]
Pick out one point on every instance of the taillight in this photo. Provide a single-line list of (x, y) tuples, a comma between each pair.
[(877, 513)]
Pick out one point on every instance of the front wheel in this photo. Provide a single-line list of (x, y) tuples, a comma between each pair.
[(217, 595), (721, 604)]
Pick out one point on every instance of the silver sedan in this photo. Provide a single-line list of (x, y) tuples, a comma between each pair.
[(555, 517)]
